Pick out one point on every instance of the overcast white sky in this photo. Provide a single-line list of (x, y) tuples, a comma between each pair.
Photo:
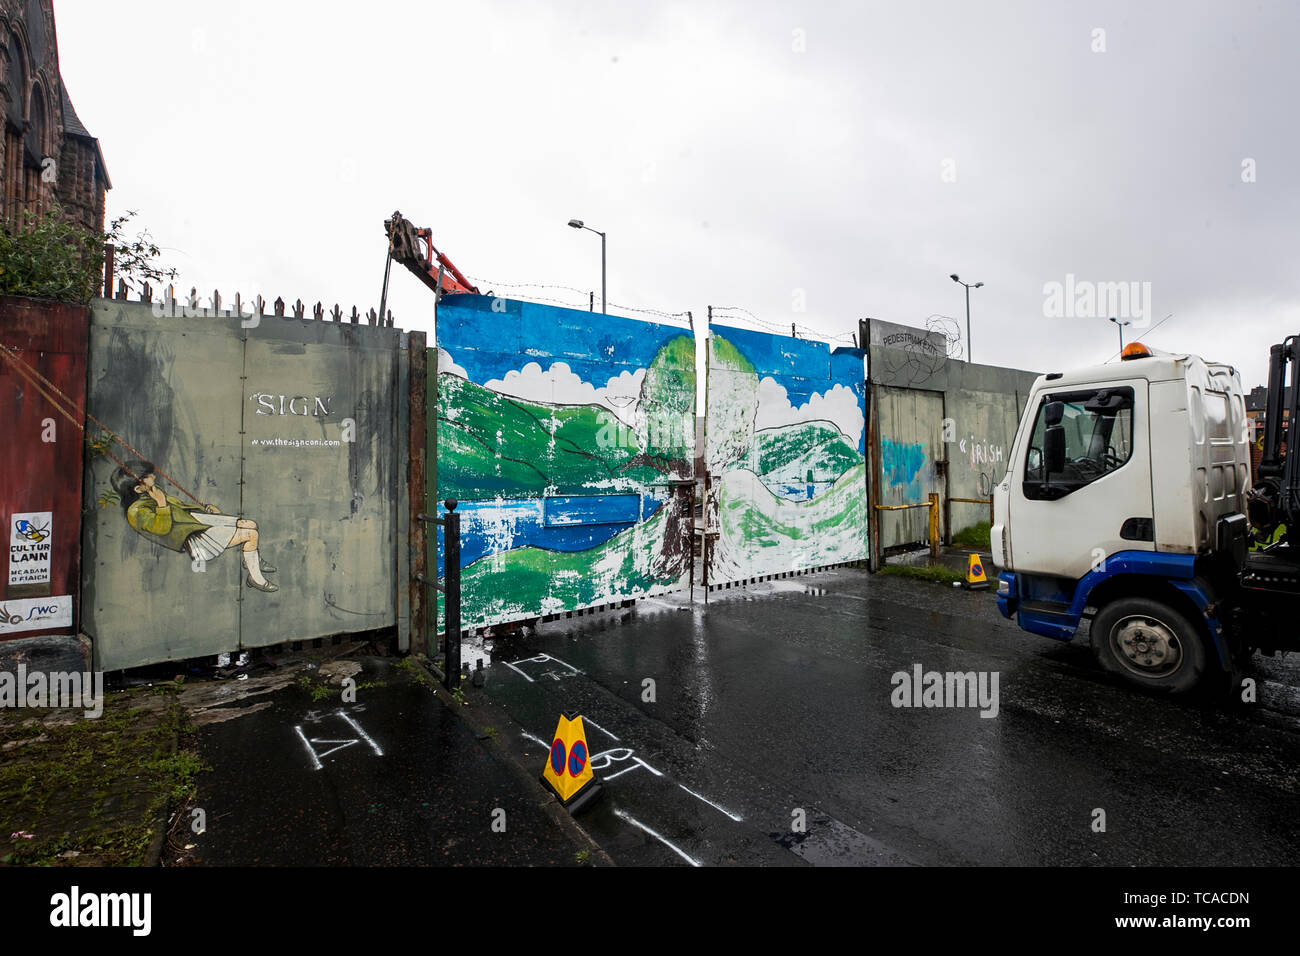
[(737, 154)]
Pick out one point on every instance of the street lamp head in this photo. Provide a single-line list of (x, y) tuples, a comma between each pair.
[(978, 284), (954, 278), (575, 223)]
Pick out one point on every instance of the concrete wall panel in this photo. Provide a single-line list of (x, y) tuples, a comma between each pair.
[(288, 425)]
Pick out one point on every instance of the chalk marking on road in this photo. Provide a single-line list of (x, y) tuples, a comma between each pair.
[(637, 823), (621, 772), (518, 671), (588, 720), (606, 757), (722, 810), (364, 736), (310, 750), (539, 740), (558, 661)]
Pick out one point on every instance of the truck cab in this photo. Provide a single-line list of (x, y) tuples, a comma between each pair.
[(1124, 505)]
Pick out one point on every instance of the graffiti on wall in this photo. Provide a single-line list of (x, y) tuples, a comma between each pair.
[(230, 512), (200, 530), (901, 463), (561, 435), (785, 435)]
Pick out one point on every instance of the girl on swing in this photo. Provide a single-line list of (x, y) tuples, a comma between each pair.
[(200, 530)]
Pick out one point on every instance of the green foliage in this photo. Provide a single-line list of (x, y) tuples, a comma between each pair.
[(976, 536), (47, 257), (928, 572), (135, 260)]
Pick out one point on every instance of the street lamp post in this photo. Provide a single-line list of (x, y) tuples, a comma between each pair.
[(968, 286), (1120, 326), (578, 224)]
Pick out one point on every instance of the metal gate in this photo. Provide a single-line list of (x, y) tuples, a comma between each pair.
[(908, 465), (285, 422)]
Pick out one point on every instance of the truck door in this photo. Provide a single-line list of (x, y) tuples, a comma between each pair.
[(1063, 523)]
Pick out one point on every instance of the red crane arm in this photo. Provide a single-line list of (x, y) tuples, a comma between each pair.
[(413, 247)]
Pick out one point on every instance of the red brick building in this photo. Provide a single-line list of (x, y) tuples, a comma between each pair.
[(47, 155)]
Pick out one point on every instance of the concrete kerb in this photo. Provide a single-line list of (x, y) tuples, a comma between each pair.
[(153, 855), (557, 813)]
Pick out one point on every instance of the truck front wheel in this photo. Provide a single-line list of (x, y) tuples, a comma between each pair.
[(1149, 644)]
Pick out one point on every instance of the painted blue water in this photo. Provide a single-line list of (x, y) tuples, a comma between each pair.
[(557, 524)]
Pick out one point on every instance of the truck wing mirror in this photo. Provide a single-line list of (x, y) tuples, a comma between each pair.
[(1054, 412), (1054, 448)]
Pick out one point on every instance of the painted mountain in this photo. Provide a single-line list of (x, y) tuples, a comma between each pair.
[(785, 439), (560, 434)]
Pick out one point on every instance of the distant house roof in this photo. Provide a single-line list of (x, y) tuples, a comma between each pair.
[(1257, 399), (73, 126)]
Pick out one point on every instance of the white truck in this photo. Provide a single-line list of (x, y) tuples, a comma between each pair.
[(1125, 504)]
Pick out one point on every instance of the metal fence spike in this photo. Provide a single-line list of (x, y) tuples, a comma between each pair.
[(279, 306), (298, 309)]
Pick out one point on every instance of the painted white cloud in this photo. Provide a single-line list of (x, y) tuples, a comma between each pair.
[(447, 365), (838, 405), (561, 385)]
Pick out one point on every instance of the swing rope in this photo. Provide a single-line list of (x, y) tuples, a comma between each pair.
[(34, 378)]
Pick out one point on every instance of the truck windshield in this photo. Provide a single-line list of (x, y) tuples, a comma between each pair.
[(1098, 431)]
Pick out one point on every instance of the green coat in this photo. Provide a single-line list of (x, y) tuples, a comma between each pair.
[(168, 526)]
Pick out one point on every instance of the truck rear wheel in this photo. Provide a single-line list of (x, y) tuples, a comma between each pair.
[(1149, 644)]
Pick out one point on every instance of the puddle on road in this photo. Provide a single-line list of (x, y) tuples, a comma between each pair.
[(828, 842)]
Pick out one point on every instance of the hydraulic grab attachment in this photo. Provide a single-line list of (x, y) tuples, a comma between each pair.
[(414, 248)]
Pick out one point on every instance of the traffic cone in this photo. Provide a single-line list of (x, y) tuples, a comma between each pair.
[(568, 772), (975, 578)]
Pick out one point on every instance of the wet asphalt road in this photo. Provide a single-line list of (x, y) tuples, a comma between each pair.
[(393, 779), (772, 706)]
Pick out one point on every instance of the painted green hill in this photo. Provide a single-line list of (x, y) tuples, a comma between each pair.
[(761, 533), (491, 444), (789, 453)]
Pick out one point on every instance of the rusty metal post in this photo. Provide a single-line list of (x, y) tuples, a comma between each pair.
[(416, 475), (934, 524), (108, 270), (875, 468), (451, 594), (690, 504), (705, 540)]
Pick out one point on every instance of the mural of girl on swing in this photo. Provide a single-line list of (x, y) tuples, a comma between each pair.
[(200, 530)]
